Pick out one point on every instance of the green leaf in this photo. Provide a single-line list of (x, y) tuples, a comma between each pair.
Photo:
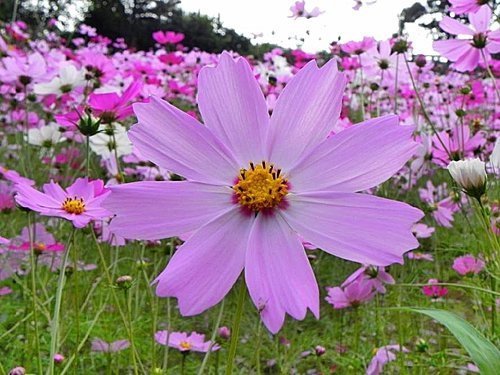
[(484, 354)]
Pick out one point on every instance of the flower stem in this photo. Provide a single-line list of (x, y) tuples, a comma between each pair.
[(212, 339), (128, 302), (54, 331), (33, 260), (235, 329)]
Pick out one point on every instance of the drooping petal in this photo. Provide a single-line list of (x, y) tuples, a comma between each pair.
[(305, 112), (357, 227), (204, 269), (278, 274), (160, 209), (454, 27), (468, 61), (233, 107), (382, 148), (175, 141)]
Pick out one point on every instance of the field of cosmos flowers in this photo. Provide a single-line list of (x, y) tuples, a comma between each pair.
[(174, 211)]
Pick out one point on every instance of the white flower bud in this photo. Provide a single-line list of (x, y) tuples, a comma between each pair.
[(470, 175), (495, 155)]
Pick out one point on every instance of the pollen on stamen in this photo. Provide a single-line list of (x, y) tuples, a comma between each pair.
[(74, 205), (260, 187)]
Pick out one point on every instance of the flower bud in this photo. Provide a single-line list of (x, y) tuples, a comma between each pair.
[(224, 333), (17, 371), (319, 350), (58, 358), (470, 175), (124, 282)]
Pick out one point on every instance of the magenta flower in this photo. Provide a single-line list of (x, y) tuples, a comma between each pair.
[(468, 265), (168, 37), (112, 107), (42, 240), (467, 6), (99, 345), (383, 355), (254, 184), (434, 291), (79, 203), (357, 48), (183, 342), (466, 53), (299, 11), (352, 295)]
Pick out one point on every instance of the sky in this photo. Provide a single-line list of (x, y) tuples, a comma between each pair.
[(271, 19)]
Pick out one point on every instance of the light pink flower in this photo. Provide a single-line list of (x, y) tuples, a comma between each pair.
[(466, 52), (351, 295), (383, 355), (255, 183), (193, 342), (420, 256), (376, 276), (467, 6), (99, 345), (5, 290), (79, 203), (468, 265)]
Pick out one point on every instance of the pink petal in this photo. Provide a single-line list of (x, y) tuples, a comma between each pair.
[(452, 49), (203, 270), (33, 199), (175, 141), (481, 19), (233, 107), (468, 61), (454, 27), (278, 274), (357, 227), (305, 112), (161, 209), (358, 158)]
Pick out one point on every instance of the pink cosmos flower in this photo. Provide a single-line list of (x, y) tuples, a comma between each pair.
[(352, 295), (442, 209), (168, 37), (5, 290), (466, 53), (434, 291), (459, 143), (112, 107), (422, 231), (376, 276), (420, 256), (4, 241), (183, 342), (299, 10), (79, 203), (42, 240), (99, 345), (382, 356), (467, 6), (357, 48), (255, 183), (468, 265)]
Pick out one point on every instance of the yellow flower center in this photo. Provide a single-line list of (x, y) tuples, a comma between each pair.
[(185, 345), (39, 246), (260, 187), (73, 205)]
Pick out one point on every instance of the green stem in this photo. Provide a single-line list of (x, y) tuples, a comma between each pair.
[(235, 329), (33, 260), (87, 149), (54, 331), (212, 339), (128, 302)]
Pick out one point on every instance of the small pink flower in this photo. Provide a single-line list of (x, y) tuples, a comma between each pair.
[(5, 290), (168, 37), (99, 345), (420, 256), (375, 276), (351, 296), (183, 342), (58, 358), (422, 231), (434, 291), (383, 355), (80, 203), (468, 265)]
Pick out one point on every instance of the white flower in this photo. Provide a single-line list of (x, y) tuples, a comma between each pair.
[(495, 155), (69, 78), (105, 143), (470, 175), (46, 136)]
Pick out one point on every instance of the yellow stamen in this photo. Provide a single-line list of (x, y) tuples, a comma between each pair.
[(73, 205), (185, 345), (260, 187)]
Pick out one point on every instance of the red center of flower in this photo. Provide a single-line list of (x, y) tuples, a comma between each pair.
[(260, 187), (74, 205)]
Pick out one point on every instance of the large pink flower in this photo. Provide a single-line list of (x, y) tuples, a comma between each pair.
[(254, 183), (466, 53)]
